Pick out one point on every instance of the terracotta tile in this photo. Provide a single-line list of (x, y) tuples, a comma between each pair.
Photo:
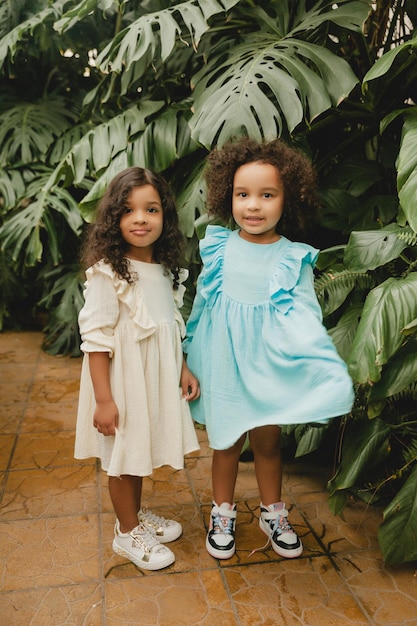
[(49, 606), (51, 366), (166, 487), (15, 376), (13, 393), (42, 450), (6, 448), (49, 416), (301, 477), (292, 592), (21, 347), (49, 493), (60, 551), (199, 470), (358, 529), (55, 391), (388, 595), (10, 417), (165, 599)]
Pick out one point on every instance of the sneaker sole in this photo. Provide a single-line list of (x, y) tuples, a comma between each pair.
[(286, 554), (141, 564), (219, 554)]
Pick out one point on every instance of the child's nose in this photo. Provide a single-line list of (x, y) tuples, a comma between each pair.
[(140, 217)]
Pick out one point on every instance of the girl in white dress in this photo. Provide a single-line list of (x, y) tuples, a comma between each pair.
[(135, 386)]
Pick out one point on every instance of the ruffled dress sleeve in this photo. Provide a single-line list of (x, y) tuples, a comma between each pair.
[(293, 274), (100, 312), (103, 292), (209, 282)]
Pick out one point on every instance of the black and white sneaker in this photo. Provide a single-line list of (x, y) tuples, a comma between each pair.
[(220, 542), (274, 523)]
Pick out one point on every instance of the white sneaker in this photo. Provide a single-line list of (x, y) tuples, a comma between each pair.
[(274, 523), (142, 548), (220, 541), (164, 530)]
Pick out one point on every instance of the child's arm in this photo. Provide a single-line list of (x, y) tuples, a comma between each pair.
[(189, 383), (106, 414)]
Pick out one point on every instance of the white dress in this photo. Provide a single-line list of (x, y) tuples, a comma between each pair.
[(140, 326)]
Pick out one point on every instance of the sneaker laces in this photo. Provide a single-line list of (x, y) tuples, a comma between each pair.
[(280, 523), (144, 538), (222, 524), (156, 521)]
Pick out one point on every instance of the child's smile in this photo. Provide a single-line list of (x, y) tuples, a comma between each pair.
[(142, 222), (257, 201)]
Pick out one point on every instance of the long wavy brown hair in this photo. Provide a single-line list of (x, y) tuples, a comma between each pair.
[(297, 174), (104, 241)]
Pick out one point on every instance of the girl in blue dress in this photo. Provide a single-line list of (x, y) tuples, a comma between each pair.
[(255, 337)]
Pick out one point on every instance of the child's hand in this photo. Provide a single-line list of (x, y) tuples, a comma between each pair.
[(189, 384), (106, 418)]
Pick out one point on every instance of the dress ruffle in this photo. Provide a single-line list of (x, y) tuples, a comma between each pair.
[(283, 281), (133, 299), (287, 274), (126, 293), (212, 249), (256, 342)]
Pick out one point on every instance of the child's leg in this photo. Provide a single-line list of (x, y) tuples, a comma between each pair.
[(265, 444), (220, 541), (131, 539), (224, 472), (125, 494)]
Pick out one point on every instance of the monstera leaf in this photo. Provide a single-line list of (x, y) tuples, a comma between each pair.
[(28, 129), (152, 38), (273, 80), (32, 27), (22, 234), (265, 85)]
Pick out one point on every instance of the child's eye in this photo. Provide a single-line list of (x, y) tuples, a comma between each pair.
[(127, 210), (243, 194), (267, 195), (152, 209)]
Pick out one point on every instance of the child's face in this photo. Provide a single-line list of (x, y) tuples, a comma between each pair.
[(257, 201), (142, 222)]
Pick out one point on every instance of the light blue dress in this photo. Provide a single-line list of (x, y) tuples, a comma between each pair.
[(256, 342)]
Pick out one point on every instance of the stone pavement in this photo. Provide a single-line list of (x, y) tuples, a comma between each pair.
[(56, 561)]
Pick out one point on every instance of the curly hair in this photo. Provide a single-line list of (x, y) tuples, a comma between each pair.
[(104, 239), (297, 174)]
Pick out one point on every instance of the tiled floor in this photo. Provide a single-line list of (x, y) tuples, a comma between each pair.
[(57, 565)]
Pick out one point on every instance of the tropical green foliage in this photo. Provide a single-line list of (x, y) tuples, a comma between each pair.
[(90, 87)]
